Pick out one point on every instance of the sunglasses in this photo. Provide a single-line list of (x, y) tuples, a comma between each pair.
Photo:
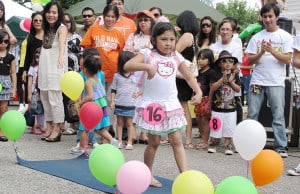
[(156, 15), (226, 61), (87, 16), (6, 41), (36, 21), (144, 20), (205, 25)]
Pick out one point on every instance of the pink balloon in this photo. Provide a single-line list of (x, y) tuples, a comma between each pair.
[(90, 115), (134, 177), (25, 25)]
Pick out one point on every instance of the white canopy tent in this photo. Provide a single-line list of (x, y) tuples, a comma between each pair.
[(14, 9)]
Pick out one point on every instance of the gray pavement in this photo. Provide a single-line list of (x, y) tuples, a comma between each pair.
[(17, 179)]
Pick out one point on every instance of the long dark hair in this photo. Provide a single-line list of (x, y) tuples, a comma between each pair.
[(32, 31), (109, 7), (2, 20), (60, 18), (187, 22), (212, 35), (207, 54), (72, 22)]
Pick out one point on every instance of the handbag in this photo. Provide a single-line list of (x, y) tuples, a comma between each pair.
[(36, 105), (191, 65)]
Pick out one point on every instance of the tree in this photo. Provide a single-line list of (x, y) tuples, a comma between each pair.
[(67, 3), (239, 10)]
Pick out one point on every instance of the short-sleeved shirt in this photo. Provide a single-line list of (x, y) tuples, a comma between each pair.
[(268, 71), (109, 44)]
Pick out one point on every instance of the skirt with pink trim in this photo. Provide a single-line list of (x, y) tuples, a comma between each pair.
[(172, 121)]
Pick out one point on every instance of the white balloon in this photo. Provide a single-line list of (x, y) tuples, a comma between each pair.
[(249, 138)]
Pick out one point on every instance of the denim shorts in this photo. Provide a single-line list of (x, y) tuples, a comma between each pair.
[(126, 112)]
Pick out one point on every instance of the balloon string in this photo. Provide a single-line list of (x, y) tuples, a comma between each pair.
[(16, 148), (247, 169)]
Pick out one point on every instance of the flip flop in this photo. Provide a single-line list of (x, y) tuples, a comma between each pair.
[(69, 131)]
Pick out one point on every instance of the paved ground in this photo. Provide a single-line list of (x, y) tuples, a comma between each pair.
[(18, 179)]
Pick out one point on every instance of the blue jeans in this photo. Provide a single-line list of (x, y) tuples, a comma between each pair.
[(91, 136), (276, 98), (246, 83)]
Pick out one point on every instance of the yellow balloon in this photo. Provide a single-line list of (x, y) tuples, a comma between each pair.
[(192, 182), (72, 84)]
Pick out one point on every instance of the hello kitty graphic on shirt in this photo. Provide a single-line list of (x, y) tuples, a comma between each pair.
[(165, 68)]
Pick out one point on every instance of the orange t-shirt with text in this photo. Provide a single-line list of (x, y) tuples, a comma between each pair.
[(109, 43), (125, 25)]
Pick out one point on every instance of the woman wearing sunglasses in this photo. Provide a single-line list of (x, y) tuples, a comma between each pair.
[(207, 34)]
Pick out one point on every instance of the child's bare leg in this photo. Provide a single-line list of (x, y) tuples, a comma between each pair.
[(149, 154), (227, 140), (3, 109), (130, 130), (104, 133), (83, 140), (203, 125), (178, 150), (188, 117), (120, 123)]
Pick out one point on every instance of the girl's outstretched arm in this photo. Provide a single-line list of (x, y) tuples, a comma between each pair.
[(196, 99), (137, 64)]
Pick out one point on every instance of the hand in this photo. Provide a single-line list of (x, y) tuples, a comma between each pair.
[(137, 94), (60, 63), (24, 76), (196, 99), (29, 97), (13, 93), (231, 78)]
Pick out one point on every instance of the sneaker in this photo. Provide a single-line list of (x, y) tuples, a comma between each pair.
[(114, 142), (283, 153), (77, 151), (228, 149), (95, 145), (77, 145), (212, 149), (23, 108), (295, 171)]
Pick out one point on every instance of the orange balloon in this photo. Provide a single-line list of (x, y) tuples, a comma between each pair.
[(266, 167)]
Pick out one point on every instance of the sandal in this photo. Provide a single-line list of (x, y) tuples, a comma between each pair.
[(155, 183), (189, 146), (69, 131), (165, 142), (3, 138), (201, 146), (129, 147)]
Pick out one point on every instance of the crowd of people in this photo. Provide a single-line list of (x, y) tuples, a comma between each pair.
[(129, 69)]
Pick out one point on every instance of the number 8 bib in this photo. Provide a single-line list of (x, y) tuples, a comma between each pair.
[(154, 113)]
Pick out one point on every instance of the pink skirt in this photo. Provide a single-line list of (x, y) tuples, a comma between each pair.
[(173, 121)]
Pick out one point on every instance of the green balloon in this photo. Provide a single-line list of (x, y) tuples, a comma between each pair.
[(13, 124), (45, 1), (0, 87), (236, 184), (104, 163)]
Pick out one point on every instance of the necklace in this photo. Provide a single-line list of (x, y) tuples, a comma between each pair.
[(1, 60)]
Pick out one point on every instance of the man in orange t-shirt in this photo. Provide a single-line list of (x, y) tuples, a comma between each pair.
[(123, 24)]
